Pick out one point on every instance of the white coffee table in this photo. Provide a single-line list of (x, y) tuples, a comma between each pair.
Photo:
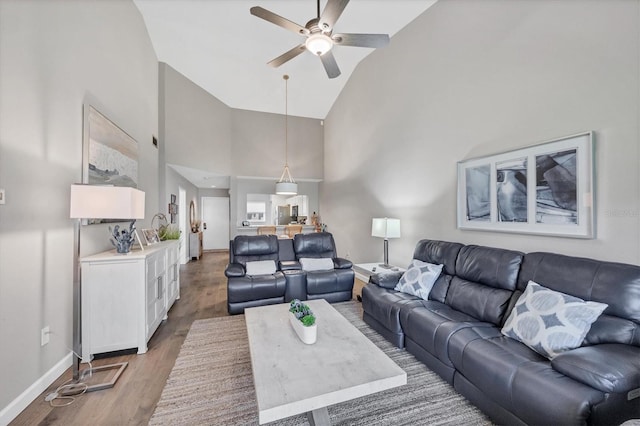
[(292, 378)]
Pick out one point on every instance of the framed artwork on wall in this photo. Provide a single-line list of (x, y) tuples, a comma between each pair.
[(545, 189), (109, 154)]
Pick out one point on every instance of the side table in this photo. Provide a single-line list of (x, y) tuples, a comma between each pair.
[(362, 273)]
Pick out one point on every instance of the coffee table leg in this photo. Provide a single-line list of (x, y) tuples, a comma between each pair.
[(319, 417)]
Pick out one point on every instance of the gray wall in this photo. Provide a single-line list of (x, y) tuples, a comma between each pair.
[(55, 55), (197, 126), (200, 132), (471, 78), (258, 147)]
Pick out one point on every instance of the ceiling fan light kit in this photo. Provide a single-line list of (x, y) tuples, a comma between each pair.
[(319, 35), (319, 44)]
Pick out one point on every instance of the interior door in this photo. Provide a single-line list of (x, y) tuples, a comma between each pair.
[(215, 223)]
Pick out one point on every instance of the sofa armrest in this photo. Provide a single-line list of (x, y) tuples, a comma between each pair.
[(340, 263), (387, 279), (611, 367), (234, 270), (289, 265)]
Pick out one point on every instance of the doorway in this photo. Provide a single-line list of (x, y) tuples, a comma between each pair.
[(182, 223), (215, 223)]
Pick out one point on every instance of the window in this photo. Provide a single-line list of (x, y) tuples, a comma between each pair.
[(256, 211)]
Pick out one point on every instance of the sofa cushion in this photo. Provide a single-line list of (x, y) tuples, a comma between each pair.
[(261, 267), (493, 267), (550, 322), (485, 303), (431, 324), (419, 278), (317, 244), (520, 380), (616, 284), (609, 367), (316, 264)]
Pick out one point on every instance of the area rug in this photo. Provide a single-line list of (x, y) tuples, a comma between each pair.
[(212, 384)]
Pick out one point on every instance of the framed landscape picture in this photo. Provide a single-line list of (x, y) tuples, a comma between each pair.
[(110, 155), (542, 189)]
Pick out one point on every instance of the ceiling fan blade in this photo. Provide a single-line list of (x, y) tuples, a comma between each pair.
[(330, 64), (287, 56), (331, 13), (361, 40), (278, 20)]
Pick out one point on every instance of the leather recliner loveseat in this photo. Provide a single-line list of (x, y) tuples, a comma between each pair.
[(457, 333), (288, 279)]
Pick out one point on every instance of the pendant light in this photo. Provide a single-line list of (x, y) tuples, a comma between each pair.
[(286, 185)]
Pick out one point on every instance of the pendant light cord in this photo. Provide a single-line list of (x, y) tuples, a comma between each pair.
[(286, 122)]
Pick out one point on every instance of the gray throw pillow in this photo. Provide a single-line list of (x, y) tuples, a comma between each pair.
[(419, 278), (261, 267), (550, 322)]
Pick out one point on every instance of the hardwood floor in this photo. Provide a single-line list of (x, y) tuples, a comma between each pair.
[(135, 395)]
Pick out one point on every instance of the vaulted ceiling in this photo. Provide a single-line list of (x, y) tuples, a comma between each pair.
[(224, 49)]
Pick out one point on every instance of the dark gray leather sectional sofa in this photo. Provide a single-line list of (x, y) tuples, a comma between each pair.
[(456, 333), (289, 281)]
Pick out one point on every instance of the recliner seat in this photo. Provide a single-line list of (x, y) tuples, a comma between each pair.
[(289, 281)]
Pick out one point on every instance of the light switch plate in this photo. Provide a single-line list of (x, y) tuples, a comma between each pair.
[(2, 196)]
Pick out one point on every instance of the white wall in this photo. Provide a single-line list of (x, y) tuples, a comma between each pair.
[(54, 56), (471, 78)]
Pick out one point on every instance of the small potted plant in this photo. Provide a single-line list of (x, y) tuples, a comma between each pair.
[(303, 321)]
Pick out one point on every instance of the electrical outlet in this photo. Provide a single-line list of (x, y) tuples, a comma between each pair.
[(44, 336)]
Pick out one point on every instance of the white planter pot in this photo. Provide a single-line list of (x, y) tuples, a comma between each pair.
[(308, 335)]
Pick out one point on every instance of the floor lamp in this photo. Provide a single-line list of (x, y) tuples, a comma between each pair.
[(386, 228), (96, 202)]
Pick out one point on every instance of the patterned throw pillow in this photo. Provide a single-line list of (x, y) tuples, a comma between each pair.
[(550, 322), (419, 278)]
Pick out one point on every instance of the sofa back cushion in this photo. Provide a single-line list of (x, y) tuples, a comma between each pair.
[(484, 283), (439, 253), (318, 244), (616, 284), (249, 248)]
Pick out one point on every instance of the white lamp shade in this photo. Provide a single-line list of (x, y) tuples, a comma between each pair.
[(385, 227), (106, 202), (286, 188)]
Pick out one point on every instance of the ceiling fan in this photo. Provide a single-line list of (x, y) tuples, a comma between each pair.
[(319, 35)]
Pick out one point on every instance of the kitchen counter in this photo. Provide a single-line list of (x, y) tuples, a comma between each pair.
[(280, 230)]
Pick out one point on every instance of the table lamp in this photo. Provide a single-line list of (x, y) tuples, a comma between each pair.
[(385, 228), (96, 202)]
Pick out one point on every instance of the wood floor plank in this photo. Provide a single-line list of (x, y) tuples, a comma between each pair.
[(133, 399)]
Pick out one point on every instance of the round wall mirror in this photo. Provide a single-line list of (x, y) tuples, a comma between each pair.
[(192, 217)]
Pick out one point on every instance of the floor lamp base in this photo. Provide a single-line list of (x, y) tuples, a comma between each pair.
[(81, 387)]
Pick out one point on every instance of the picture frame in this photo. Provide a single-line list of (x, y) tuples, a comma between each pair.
[(150, 236), (544, 189), (109, 154)]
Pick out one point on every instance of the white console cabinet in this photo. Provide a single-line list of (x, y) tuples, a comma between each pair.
[(126, 297)]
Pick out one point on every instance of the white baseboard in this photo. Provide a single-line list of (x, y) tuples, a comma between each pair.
[(16, 406)]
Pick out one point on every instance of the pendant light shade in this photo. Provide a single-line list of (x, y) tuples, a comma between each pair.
[(286, 185)]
